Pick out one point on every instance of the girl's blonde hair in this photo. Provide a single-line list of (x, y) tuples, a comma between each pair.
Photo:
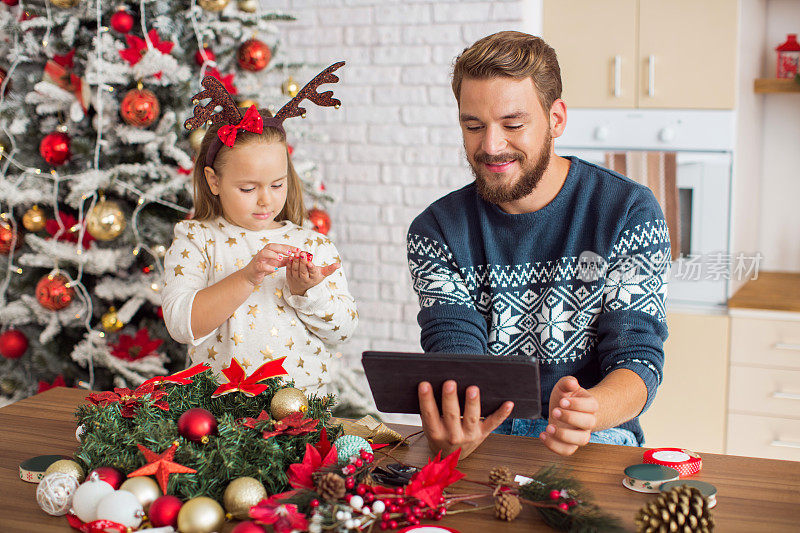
[(207, 205)]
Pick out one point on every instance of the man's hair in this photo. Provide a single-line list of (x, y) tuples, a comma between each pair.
[(511, 54)]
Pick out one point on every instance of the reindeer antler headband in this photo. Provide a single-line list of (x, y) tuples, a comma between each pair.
[(253, 119)]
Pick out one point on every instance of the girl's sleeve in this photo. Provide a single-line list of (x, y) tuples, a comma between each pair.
[(186, 269), (328, 310)]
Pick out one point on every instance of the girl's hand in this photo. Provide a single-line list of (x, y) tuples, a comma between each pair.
[(269, 259), (302, 274)]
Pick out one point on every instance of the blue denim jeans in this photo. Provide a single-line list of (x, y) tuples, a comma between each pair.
[(533, 428)]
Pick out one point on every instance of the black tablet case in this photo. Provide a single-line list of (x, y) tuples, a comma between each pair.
[(393, 378)]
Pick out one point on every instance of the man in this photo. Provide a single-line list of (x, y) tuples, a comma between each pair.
[(500, 266)]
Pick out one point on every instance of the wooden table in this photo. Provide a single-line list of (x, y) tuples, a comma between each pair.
[(754, 494)]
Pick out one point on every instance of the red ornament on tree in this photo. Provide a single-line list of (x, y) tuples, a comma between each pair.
[(54, 292), (13, 344), (139, 108), (164, 511), (254, 55), (54, 148), (248, 527), (197, 424), (110, 475), (3, 75), (320, 219), (122, 21), (11, 3), (7, 237), (209, 56)]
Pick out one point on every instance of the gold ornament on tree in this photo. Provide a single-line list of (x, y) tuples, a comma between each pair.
[(682, 508), (200, 515), (144, 488), (213, 5), (287, 401), (290, 87), (248, 6), (34, 219), (67, 466), (105, 221), (244, 104), (64, 4), (110, 321), (241, 494), (196, 138)]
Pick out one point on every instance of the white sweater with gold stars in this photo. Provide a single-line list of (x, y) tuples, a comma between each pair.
[(272, 322)]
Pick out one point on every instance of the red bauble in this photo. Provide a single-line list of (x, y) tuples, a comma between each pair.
[(3, 75), (110, 475), (11, 3), (198, 56), (122, 21), (253, 55), (55, 148), (53, 292), (248, 527), (139, 108), (197, 424), (13, 344), (7, 236), (164, 511), (320, 219)]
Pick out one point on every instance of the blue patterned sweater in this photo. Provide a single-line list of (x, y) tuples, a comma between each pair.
[(580, 284)]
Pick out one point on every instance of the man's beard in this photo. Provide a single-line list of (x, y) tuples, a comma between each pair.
[(530, 176)]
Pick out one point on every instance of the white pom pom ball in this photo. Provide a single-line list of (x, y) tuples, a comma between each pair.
[(87, 496), (122, 507), (54, 493)]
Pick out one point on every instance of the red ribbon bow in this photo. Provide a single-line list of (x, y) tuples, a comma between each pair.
[(97, 526), (238, 380), (182, 377), (251, 122)]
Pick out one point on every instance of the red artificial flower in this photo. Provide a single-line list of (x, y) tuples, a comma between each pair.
[(251, 422), (129, 399), (284, 518), (293, 424), (137, 47), (70, 231), (58, 382), (251, 385), (134, 348), (429, 483), (227, 81), (300, 474), (324, 445)]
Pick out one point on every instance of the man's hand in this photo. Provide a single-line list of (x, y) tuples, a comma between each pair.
[(302, 274), (449, 431), (573, 416)]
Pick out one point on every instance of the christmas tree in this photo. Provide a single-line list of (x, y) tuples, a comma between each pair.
[(95, 171)]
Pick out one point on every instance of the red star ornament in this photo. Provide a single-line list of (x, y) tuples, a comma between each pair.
[(161, 465)]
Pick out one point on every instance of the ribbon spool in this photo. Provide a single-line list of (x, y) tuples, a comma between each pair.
[(32, 470), (648, 477), (685, 462), (708, 490)]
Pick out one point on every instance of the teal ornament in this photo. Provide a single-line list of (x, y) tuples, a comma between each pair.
[(349, 445)]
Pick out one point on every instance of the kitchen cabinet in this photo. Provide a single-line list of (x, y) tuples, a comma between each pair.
[(690, 409), (677, 54)]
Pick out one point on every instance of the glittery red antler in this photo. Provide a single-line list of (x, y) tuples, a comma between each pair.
[(215, 90), (293, 109)]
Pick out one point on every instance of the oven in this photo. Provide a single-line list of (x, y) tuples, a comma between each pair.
[(694, 190)]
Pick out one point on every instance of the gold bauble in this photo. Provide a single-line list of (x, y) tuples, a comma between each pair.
[(213, 5), (105, 221), (248, 6), (290, 87), (243, 493), (34, 219), (196, 138), (144, 488), (287, 401), (244, 104), (110, 321), (67, 466), (65, 3), (200, 515)]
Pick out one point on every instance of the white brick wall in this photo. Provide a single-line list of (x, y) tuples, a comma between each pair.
[(395, 145)]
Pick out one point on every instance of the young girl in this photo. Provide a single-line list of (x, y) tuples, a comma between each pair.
[(244, 279)]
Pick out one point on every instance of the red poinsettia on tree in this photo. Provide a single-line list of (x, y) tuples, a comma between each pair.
[(133, 348), (130, 400), (137, 47), (226, 80), (69, 232), (58, 382)]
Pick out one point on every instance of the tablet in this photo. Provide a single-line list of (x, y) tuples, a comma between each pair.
[(393, 378)]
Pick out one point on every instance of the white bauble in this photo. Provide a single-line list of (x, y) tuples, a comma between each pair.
[(122, 507), (86, 498), (55, 493)]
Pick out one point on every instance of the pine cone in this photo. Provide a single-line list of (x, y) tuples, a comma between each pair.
[(682, 509), (507, 506), (330, 486), (501, 475)]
